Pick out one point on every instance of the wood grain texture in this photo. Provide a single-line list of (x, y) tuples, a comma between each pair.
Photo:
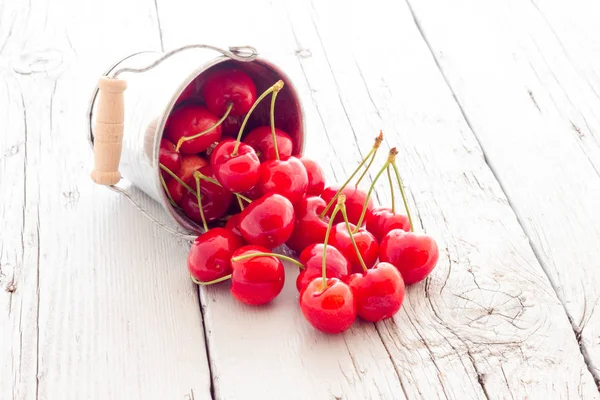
[(78, 321), (488, 323), (528, 84)]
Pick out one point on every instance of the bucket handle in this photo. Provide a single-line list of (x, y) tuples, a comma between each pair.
[(108, 134)]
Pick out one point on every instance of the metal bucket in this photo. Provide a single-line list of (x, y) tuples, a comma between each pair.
[(154, 83)]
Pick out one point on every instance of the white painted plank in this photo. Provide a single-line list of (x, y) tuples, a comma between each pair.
[(528, 82), (102, 306), (488, 323)]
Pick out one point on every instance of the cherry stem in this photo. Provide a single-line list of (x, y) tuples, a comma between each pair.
[(280, 256), (376, 145), (182, 183), (197, 178), (390, 159), (273, 123), (360, 259), (275, 88), (204, 132), (164, 185), (218, 280), (209, 179), (241, 196), (340, 203), (389, 174), (403, 195), (373, 151), (239, 199)]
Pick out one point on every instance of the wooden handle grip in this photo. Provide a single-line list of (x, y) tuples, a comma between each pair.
[(108, 134)]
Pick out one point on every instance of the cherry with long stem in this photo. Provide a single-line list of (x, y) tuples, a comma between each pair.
[(280, 256), (174, 176), (340, 202), (199, 197), (377, 143), (371, 153), (351, 234), (275, 88), (184, 139)]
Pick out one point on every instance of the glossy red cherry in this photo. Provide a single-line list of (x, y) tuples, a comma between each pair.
[(256, 280), (378, 292), (215, 199), (261, 139), (175, 191), (285, 177), (268, 221), (209, 257), (189, 164), (381, 220), (316, 177), (365, 241), (189, 120), (233, 224), (227, 86), (332, 310), (238, 173), (415, 255), (337, 266), (168, 157), (355, 199), (309, 227)]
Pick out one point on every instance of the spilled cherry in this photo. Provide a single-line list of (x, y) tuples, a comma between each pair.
[(378, 292), (267, 221), (209, 257), (415, 255), (285, 177)]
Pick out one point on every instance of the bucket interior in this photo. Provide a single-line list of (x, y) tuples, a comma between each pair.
[(288, 113)]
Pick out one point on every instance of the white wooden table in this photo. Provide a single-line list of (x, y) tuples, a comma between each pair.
[(494, 107)]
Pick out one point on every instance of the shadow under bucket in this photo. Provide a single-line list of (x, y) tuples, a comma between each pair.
[(155, 82)]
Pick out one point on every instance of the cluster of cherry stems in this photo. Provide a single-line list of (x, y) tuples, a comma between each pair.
[(354, 258)]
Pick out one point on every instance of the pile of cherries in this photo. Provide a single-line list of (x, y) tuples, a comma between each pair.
[(252, 195)]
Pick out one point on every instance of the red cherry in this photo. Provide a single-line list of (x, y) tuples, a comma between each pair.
[(415, 255), (189, 120), (189, 164), (381, 220), (285, 177), (256, 280), (309, 226), (227, 86), (332, 310), (268, 221), (176, 191), (215, 199), (210, 255), (238, 173), (261, 140), (378, 292), (168, 157), (316, 177), (337, 266), (233, 224), (355, 199), (231, 126), (365, 241), (190, 92)]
